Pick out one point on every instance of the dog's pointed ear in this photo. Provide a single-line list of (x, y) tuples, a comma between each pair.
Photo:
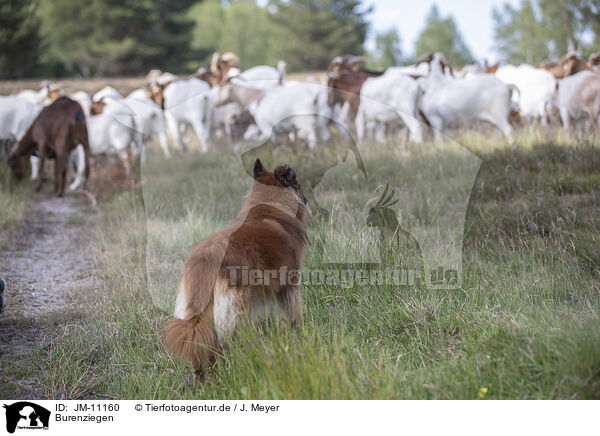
[(258, 169)]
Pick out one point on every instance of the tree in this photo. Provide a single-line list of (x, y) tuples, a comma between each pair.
[(20, 41), (114, 37), (442, 35), (543, 29), (519, 34), (312, 32), (209, 20), (248, 32), (388, 49)]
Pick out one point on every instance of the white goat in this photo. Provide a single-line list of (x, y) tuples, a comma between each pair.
[(447, 101), (249, 86), (148, 117), (578, 97), (107, 92), (295, 107), (536, 89), (16, 115), (189, 102), (84, 99), (385, 99)]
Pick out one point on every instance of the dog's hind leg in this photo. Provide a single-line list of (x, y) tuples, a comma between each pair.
[(227, 307), (290, 301)]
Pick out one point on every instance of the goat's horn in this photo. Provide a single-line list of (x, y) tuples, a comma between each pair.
[(425, 57)]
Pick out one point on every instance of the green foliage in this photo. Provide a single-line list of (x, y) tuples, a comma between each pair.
[(209, 18), (314, 31), (248, 32), (442, 34), (241, 27), (20, 41), (388, 49), (111, 37), (545, 29), (519, 34)]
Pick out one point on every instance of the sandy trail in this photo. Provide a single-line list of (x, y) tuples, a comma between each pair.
[(48, 260)]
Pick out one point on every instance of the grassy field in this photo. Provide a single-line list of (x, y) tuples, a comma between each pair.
[(524, 324)]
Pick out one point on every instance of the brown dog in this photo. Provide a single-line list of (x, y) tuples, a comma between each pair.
[(246, 269)]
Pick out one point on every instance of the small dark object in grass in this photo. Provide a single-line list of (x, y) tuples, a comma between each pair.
[(2, 288)]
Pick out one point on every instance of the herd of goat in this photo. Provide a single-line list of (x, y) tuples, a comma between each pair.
[(258, 103)]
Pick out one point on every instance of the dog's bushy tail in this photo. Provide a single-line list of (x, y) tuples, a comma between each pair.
[(193, 339)]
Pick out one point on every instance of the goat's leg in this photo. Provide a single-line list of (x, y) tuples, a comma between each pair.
[(38, 184), (173, 130), (124, 156), (35, 167), (78, 158), (162, 140), (60, 171), (200, 132)]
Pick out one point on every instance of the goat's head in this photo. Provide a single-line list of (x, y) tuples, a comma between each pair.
[(572, 63), (152, 77), (490, 69), (97, 107), (221, 65), (156, 93), (436, 61), (594, 60), (53, 91), (18, 162), (207, 75)]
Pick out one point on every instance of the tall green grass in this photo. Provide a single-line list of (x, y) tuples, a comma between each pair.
[(13, 197), (525, 323)]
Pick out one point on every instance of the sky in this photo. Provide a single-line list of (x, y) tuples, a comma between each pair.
[(473, 17)]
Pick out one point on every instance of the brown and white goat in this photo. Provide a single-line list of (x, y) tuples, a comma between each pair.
[(56, 131)]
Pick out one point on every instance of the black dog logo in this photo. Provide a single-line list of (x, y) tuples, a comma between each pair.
[(26, 415)]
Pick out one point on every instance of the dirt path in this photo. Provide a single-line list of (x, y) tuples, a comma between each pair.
[(44, 267)]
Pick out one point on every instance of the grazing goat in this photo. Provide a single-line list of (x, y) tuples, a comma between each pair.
[(56, 131), (296, 107), (386, 98), (569, 64), (536, 90), (457, 102), (155, 85), (149, 118), (189, 102), (579, 97), (345, 78), (250, 85), (221, 66), (16, 115)]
